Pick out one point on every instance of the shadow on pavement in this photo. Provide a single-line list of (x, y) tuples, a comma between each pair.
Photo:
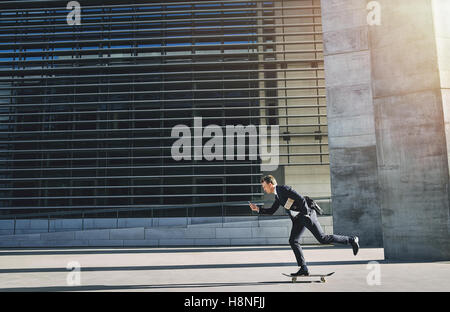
[(141, 250), (147, 287), (180, 267)]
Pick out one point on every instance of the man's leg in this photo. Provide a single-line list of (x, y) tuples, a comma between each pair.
[(312, 224), (294, 240)]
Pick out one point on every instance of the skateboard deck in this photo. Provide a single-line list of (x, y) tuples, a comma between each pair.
[(322, 276)]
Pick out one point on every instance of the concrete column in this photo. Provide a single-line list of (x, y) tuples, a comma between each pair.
[(411, 135), (352, 140), (389, 124)]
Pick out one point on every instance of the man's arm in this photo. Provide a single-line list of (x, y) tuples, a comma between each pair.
[(271, 210), (296, 196)]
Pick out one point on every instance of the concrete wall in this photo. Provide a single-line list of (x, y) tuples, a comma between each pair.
[(387, 93), (352, 142), (411, 138), (228, 231)]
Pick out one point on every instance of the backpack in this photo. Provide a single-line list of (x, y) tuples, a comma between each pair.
[(313, 205)]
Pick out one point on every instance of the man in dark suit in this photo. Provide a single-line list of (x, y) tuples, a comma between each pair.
[(302, 217)]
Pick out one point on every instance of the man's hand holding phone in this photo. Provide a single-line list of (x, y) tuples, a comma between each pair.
[(253, 207)]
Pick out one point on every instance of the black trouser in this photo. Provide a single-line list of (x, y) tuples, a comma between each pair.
[(312, 224)]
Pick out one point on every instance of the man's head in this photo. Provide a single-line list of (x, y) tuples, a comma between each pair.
[(268, 183)]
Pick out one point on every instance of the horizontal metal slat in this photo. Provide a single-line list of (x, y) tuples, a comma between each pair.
[(129, 196), (165, 119), (167, 39), (162, 83), (123, 186), (146, 157), (168, 12), (173, 20), (246, 54), (54, 70), (175, 100), (100, 208), (153, 3), (134, 177), (166, 110), (136, 49), (216, 163), (192, 72), (160, 138), (160, 92), (48, 132), (144, 148), (131, 31)]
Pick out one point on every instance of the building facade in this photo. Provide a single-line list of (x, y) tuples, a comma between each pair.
[(91, 92)]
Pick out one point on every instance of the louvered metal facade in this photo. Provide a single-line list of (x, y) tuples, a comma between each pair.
[(87, 110)]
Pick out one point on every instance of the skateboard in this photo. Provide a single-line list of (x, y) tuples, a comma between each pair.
[(322, 276)]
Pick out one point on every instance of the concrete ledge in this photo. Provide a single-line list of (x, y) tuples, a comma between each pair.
[(253, 223), (177, 242), (274, 222), (68, 243), (31, 231), (240, 231), (92, 234), (205, 220), (141, 242), (9, 244), (34, 224), (277, 241), (7, 224), (200, 233), (240, 219), (136, 233), (21, 237), (136, 222), (65, 225), (171, 222), (206, 225), (269, 232), (100, 223), (233, 232), (106, 243), (248, 241), (58, 236), (212, 242), (164, 233), (34, 243)]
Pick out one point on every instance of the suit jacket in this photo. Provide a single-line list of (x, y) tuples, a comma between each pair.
[(289, 199)]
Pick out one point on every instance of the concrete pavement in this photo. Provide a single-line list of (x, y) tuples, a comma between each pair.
[(219, 269)]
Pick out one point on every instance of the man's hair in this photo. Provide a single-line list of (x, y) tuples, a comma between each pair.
[(269, 179)]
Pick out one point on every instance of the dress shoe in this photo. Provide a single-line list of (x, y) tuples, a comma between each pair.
[(354, 241), (302, 272)]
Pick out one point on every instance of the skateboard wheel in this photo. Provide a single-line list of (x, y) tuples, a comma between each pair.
[(322, 279), (294, 280)]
